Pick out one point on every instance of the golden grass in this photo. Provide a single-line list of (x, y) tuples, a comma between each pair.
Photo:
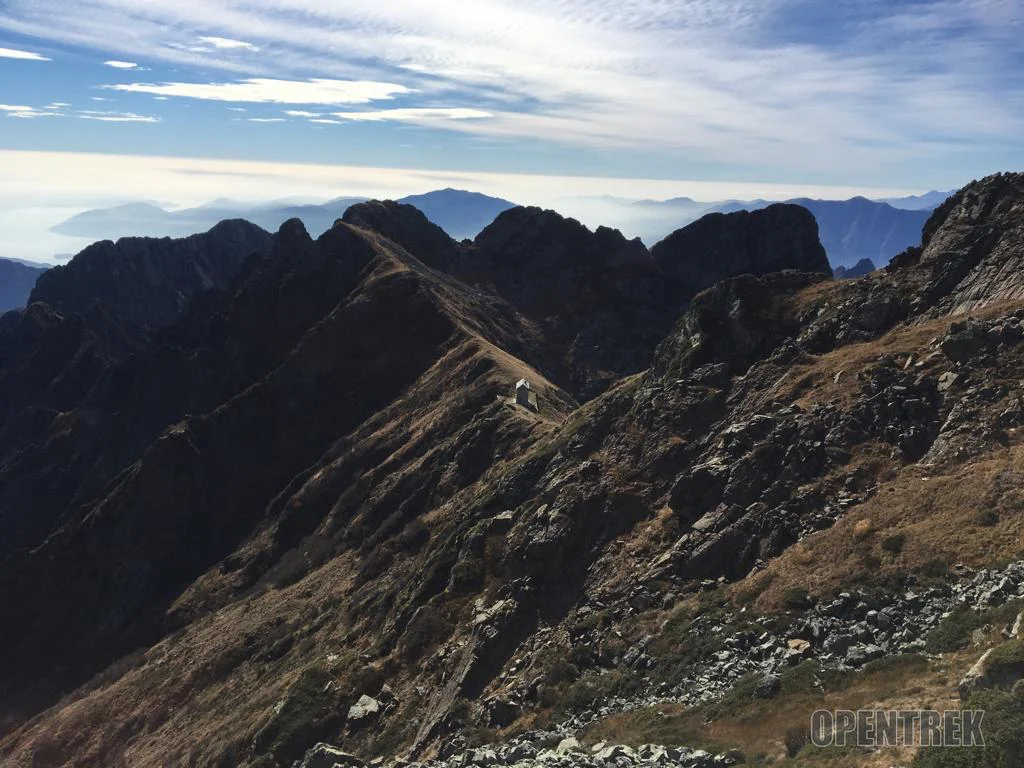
[(937, 515)]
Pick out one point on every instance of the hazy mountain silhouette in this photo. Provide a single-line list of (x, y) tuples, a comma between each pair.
[(461, 214), (16, 282)]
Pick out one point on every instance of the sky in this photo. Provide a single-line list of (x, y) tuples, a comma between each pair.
[(535, 98)]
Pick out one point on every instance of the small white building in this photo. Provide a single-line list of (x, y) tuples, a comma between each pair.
[(525, 396)]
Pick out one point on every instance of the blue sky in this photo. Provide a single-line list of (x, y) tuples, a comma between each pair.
[(902, 95)]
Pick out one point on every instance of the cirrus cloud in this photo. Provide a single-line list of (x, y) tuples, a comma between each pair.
[(271, 90), (121, 64), (227, 44), (416, 114), (870, 89), (117, 117)]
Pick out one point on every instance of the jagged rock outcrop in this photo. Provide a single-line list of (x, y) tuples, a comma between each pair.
[(972, 249), (147, 282), (732, 324), (721, 245)]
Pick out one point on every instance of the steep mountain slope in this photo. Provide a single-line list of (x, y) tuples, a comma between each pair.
[(16, 282), (147, 282), (67, 423), (335, 523), (342, 407)]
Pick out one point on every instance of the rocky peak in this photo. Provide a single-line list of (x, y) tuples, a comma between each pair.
[(597, 296), (973, 249), (722, 245), (148, 281), (524, 236), (407, 226)]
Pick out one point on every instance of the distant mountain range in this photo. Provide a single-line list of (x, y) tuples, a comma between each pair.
[(461, 214), (851, 230), (16, 281), (861, 268), (928, 201)]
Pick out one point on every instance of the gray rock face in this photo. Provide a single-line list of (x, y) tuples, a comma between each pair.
[(326, 756), (975, 679), (999, 667), (732, 323), (973, 251), (718, 246)]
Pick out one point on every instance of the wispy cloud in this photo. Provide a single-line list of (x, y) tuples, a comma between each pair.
[(13, 53), (117, 117), (267, 120), (780, 84), (227, 44), (416, 115), (121, 64), (269, 90), (25, 112)]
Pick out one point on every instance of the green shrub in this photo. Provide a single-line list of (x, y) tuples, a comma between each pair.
[(309, 713), (797, 599), (796, 738), (894, 544), (1003, 729), (954, 631), (987, 518), (595, 687), (427, 629)]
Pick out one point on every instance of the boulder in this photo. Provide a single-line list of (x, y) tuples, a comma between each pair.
[(1001, 667), (326, 756), (975, 678), (367, 707), (768, 687)]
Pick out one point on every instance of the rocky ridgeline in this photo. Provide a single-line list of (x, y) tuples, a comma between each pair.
[(548, 748)]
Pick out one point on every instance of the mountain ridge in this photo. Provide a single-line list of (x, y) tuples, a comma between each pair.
[(346, 531)]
